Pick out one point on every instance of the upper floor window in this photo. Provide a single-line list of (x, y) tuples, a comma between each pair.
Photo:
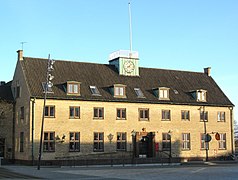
[(204, 116), (94, 91), (98, 113), (49, 142), (166, 115), (200, 95), (74, 112), (185, 141), (74, 141), (22, 113), (121, 113), (49, 111), (73, 88), (221, 117), (143, 114), (139, 93), (185, 115), (119, 90)]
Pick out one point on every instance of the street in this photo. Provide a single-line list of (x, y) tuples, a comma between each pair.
[(178, 172)]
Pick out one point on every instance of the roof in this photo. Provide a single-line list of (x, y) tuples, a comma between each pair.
[(5, 92), (103, 76)]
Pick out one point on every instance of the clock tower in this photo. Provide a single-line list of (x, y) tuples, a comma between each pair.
[(126, 62)]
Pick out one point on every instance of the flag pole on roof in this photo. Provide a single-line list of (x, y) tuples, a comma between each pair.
[(130, 25)]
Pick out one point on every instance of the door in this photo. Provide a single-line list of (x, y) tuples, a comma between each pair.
[(2, 147)]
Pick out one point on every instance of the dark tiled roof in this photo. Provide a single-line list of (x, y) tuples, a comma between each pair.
[(104, 76), (5, 92)]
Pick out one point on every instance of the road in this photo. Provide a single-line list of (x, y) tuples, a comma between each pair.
[(195, 172)]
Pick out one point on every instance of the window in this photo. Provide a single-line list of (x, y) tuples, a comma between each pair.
[(222, 141), (204, 116), (94, 90), (18, 89), (163, 93), (166, 141), (139, 93), (121, 141), (119, 90), (201, 95), (221, 117), (74, 141), (74, 112), (185, 115), (121, 113), (186, 141), (22, 113), (49, 142), (143, 114), (49, 111), (204, 145), (73, 88), (22, 142), (98, 113), (98, 142), (165, 115)]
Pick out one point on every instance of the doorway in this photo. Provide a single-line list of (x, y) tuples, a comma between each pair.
[(2, 147)]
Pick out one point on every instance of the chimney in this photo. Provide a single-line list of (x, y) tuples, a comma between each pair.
[(20, 55), (207, 71)]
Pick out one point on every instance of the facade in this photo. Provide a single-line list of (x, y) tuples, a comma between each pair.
[(115, 110)]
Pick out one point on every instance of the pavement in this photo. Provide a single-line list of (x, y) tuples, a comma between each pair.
[(129, 171)]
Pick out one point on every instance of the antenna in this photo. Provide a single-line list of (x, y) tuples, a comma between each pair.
[(22, 43), (129, 7)]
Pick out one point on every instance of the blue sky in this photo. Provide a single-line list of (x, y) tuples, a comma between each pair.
[(170, 34)]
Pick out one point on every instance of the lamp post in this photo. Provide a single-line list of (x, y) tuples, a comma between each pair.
[(207, 136), (47, 89), (170, 146), (110, 137)]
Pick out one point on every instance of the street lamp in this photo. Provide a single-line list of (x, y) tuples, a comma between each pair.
[(207, 136), (47, 86), (110, 137), (170, 146)]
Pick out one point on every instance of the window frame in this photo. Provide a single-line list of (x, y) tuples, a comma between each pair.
[(161, 93), (166, 141), (74, 112), (94, 90), (185, 115), (96, 113), (201, 95), (221, 116), (164, 113), (119, 91), (139, 93), (222, 145), (145, 112), (71, 88), (98, 142), (74, 142), (120, 112), (203, 116), (48, 113), (48, 142), (121, 142), (186, 141)]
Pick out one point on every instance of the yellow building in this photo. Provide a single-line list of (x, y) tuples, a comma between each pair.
[(118, 111)]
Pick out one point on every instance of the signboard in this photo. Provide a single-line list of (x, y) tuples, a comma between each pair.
[(217, 136), (208, 138)]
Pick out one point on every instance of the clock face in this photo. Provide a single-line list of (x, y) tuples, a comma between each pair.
[(129, 66)]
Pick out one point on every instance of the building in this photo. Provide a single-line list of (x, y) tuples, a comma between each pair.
[(118, 110)]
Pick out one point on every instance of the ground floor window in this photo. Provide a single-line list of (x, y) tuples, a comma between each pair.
[(22, 142), (222, 141), (98, 142), (185, 141), (121, 141), (166, 141), (74, 141), (204, 145), (49, 142)]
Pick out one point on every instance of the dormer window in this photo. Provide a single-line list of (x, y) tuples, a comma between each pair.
[(201, 95), (119, 91), (94, 91), (139, 93), (73, 88), (163, 93)]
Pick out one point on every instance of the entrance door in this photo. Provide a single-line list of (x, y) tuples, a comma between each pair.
[(2, 147), (144, 144)]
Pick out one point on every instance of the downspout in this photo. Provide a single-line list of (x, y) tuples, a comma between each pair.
[(232, 130), (32, 129), (13, 130)]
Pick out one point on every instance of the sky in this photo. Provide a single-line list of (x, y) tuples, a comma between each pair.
[(169, 34)]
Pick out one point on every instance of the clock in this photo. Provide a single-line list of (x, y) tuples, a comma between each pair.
[(129, 66)]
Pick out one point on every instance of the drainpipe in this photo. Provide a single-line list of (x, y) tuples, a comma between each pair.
[(32, 129), (232, 130), (13, 130)]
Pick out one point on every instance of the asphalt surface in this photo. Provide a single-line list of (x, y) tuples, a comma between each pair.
[(195, 171)]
